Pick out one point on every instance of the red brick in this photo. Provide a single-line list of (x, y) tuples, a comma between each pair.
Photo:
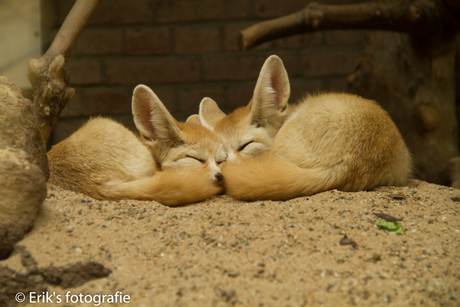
[(193, 10), (64, 128), (241, 67), (127, 121), (337, 85), (73, 107), (132, 71), (190, 98), (291, 63), (115, 12), (300, 88), (334, 62), (84, 72), (99, 42), (115, 101), (148, 41), (63, 8), (197, 40), (238, 95), (232, 67), (300, 40), (231, 34), (106, 101), (340, 37), (270, 8), (49, 14)]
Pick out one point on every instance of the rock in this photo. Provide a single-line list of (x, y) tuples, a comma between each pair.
[(22, 191), (19, 125), (23, 166)]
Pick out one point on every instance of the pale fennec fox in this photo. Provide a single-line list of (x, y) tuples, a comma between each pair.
[(327, 141), (171, 162)]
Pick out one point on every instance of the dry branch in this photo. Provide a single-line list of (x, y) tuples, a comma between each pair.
[(418, 18), (48, 74)]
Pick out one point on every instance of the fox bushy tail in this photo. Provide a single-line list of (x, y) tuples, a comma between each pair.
[(171, 187), (273, 178)]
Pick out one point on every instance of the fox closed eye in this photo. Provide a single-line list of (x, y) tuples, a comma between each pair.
[(198, 159), (203, 161), (244, 146)]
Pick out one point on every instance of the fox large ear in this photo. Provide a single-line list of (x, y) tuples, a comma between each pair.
[(210, 114), (272, 91), (193, 120), (152, 119)]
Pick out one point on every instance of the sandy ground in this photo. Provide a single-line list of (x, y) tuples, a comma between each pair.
[(222, 252)]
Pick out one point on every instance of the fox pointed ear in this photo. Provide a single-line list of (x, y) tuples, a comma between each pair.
[(152, 119), (209, 113), (272, 91), (193, 120)]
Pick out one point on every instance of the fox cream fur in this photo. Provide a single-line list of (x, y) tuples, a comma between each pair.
[(327, 141), (171, 162)]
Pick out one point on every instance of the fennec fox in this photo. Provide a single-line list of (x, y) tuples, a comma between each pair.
[(327, 141), (171, 162)]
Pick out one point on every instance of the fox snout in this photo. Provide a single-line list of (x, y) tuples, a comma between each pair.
[(220, 179), (216, 173)]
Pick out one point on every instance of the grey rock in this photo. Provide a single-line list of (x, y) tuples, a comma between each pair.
[(23, 166), (19, 126)]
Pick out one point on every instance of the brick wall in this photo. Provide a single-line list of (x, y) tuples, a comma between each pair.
[(186, 50)]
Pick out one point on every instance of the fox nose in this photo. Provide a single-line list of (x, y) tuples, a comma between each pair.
[(219, 177)]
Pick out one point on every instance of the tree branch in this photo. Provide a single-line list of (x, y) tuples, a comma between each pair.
[(48, 74), (417, 19), (72, 27)]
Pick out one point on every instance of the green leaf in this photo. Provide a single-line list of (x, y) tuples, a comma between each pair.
[(390, 227)]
